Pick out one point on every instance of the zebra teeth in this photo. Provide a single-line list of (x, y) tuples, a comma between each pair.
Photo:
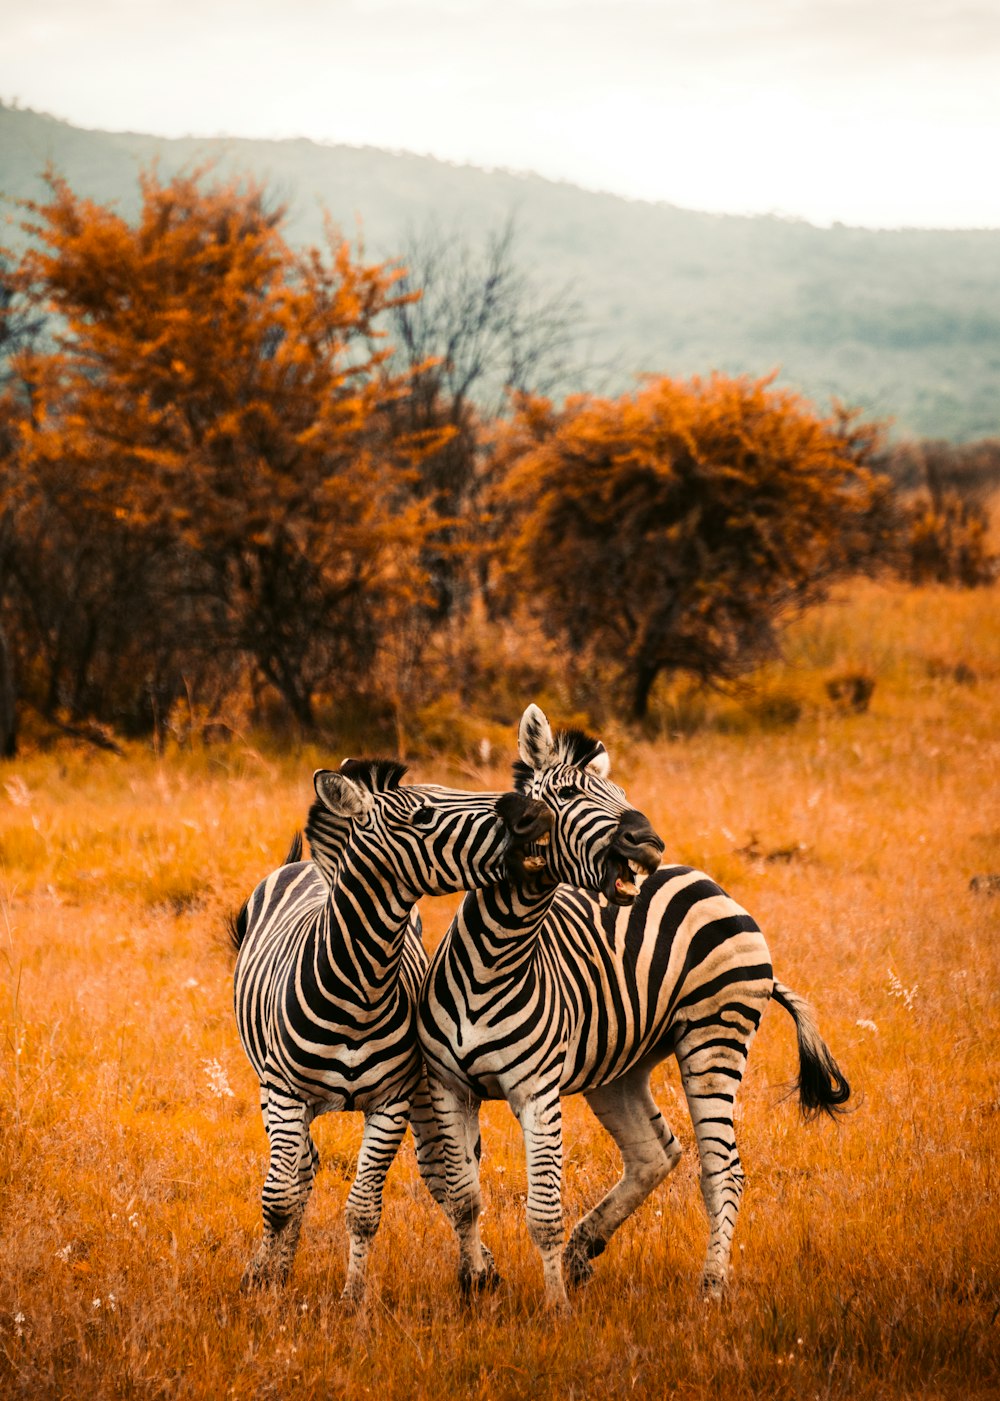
[(534, 863), (544, 839), (635, 868), (626, 887)]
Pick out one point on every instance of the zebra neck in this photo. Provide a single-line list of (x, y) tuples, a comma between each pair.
[(363, 935), (328, 836), (500, 926)]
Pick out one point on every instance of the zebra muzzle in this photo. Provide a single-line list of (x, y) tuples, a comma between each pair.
[(529, 824), (635, 851)]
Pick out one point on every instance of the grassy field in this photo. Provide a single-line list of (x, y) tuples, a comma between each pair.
[(131, 1149)]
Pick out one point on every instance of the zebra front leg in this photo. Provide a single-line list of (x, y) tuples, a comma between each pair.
[(457, 1116), (711, 1075), (540, 1118), (290, 1174), (649, 1152), (384, 1129)]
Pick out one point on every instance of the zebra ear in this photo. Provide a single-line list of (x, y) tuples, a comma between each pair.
[(600, 764), (534, 739), (341, 795)]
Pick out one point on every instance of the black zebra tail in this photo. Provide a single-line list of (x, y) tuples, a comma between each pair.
[(822, 1085), (236, 925)]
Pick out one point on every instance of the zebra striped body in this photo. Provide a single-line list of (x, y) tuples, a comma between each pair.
[(611, 988), (598, 841), (536, 993), (307, 1020), (329, 968)]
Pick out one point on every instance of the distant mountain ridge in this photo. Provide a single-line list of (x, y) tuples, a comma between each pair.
[(905, 323)]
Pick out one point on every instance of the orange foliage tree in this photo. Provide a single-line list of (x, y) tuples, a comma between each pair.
[(18, 329), (206, 463), (671, 529)]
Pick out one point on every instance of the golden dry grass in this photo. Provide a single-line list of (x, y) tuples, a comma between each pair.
[(867, 1259)]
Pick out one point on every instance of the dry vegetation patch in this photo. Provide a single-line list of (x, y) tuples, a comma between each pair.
[(132, 1155)]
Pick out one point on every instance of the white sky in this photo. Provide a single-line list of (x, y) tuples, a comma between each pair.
[(876, 112)]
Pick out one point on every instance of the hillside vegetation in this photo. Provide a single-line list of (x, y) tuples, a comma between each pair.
[(131, 1149), (905, 323), (223, 491)]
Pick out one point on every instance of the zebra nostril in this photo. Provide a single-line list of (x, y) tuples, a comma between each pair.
[(636, 843), (638, 837)]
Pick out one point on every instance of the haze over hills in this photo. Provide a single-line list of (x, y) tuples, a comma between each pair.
[(904, 323)]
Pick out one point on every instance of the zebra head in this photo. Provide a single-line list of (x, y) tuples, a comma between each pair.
[(599, 842), (426, 839)]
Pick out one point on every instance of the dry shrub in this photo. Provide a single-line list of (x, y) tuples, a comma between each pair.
[(445, 725), (768, 700), (851, 691), (947, 542), (776, 709), (985, 885), (473, 681)]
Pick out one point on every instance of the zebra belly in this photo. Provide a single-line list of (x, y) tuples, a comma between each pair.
[(482, 1062), (478, 1086)]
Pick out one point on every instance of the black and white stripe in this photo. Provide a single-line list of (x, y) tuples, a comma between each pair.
[(327, 979), (538, 992)]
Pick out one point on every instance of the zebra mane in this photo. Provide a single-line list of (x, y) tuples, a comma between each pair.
[(568, 747), (377, 775), (575, 747)]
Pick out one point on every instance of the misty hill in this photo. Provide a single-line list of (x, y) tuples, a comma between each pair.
[(904, 323)]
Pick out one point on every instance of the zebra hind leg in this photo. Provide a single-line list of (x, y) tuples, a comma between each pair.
[(457, 1118), (712, 1060), (429, 1144), (290, 1175), (649, 1153), (383, 1133)]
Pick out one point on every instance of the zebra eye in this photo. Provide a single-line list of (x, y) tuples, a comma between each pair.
[(567, 791), (422, 816)]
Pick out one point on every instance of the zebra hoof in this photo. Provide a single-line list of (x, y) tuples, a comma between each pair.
[(255, 1278), (577, 1257), (713, 1289), (579, 1270), (485, 1282)]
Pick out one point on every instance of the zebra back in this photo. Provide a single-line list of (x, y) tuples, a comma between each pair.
[(236, 924)]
